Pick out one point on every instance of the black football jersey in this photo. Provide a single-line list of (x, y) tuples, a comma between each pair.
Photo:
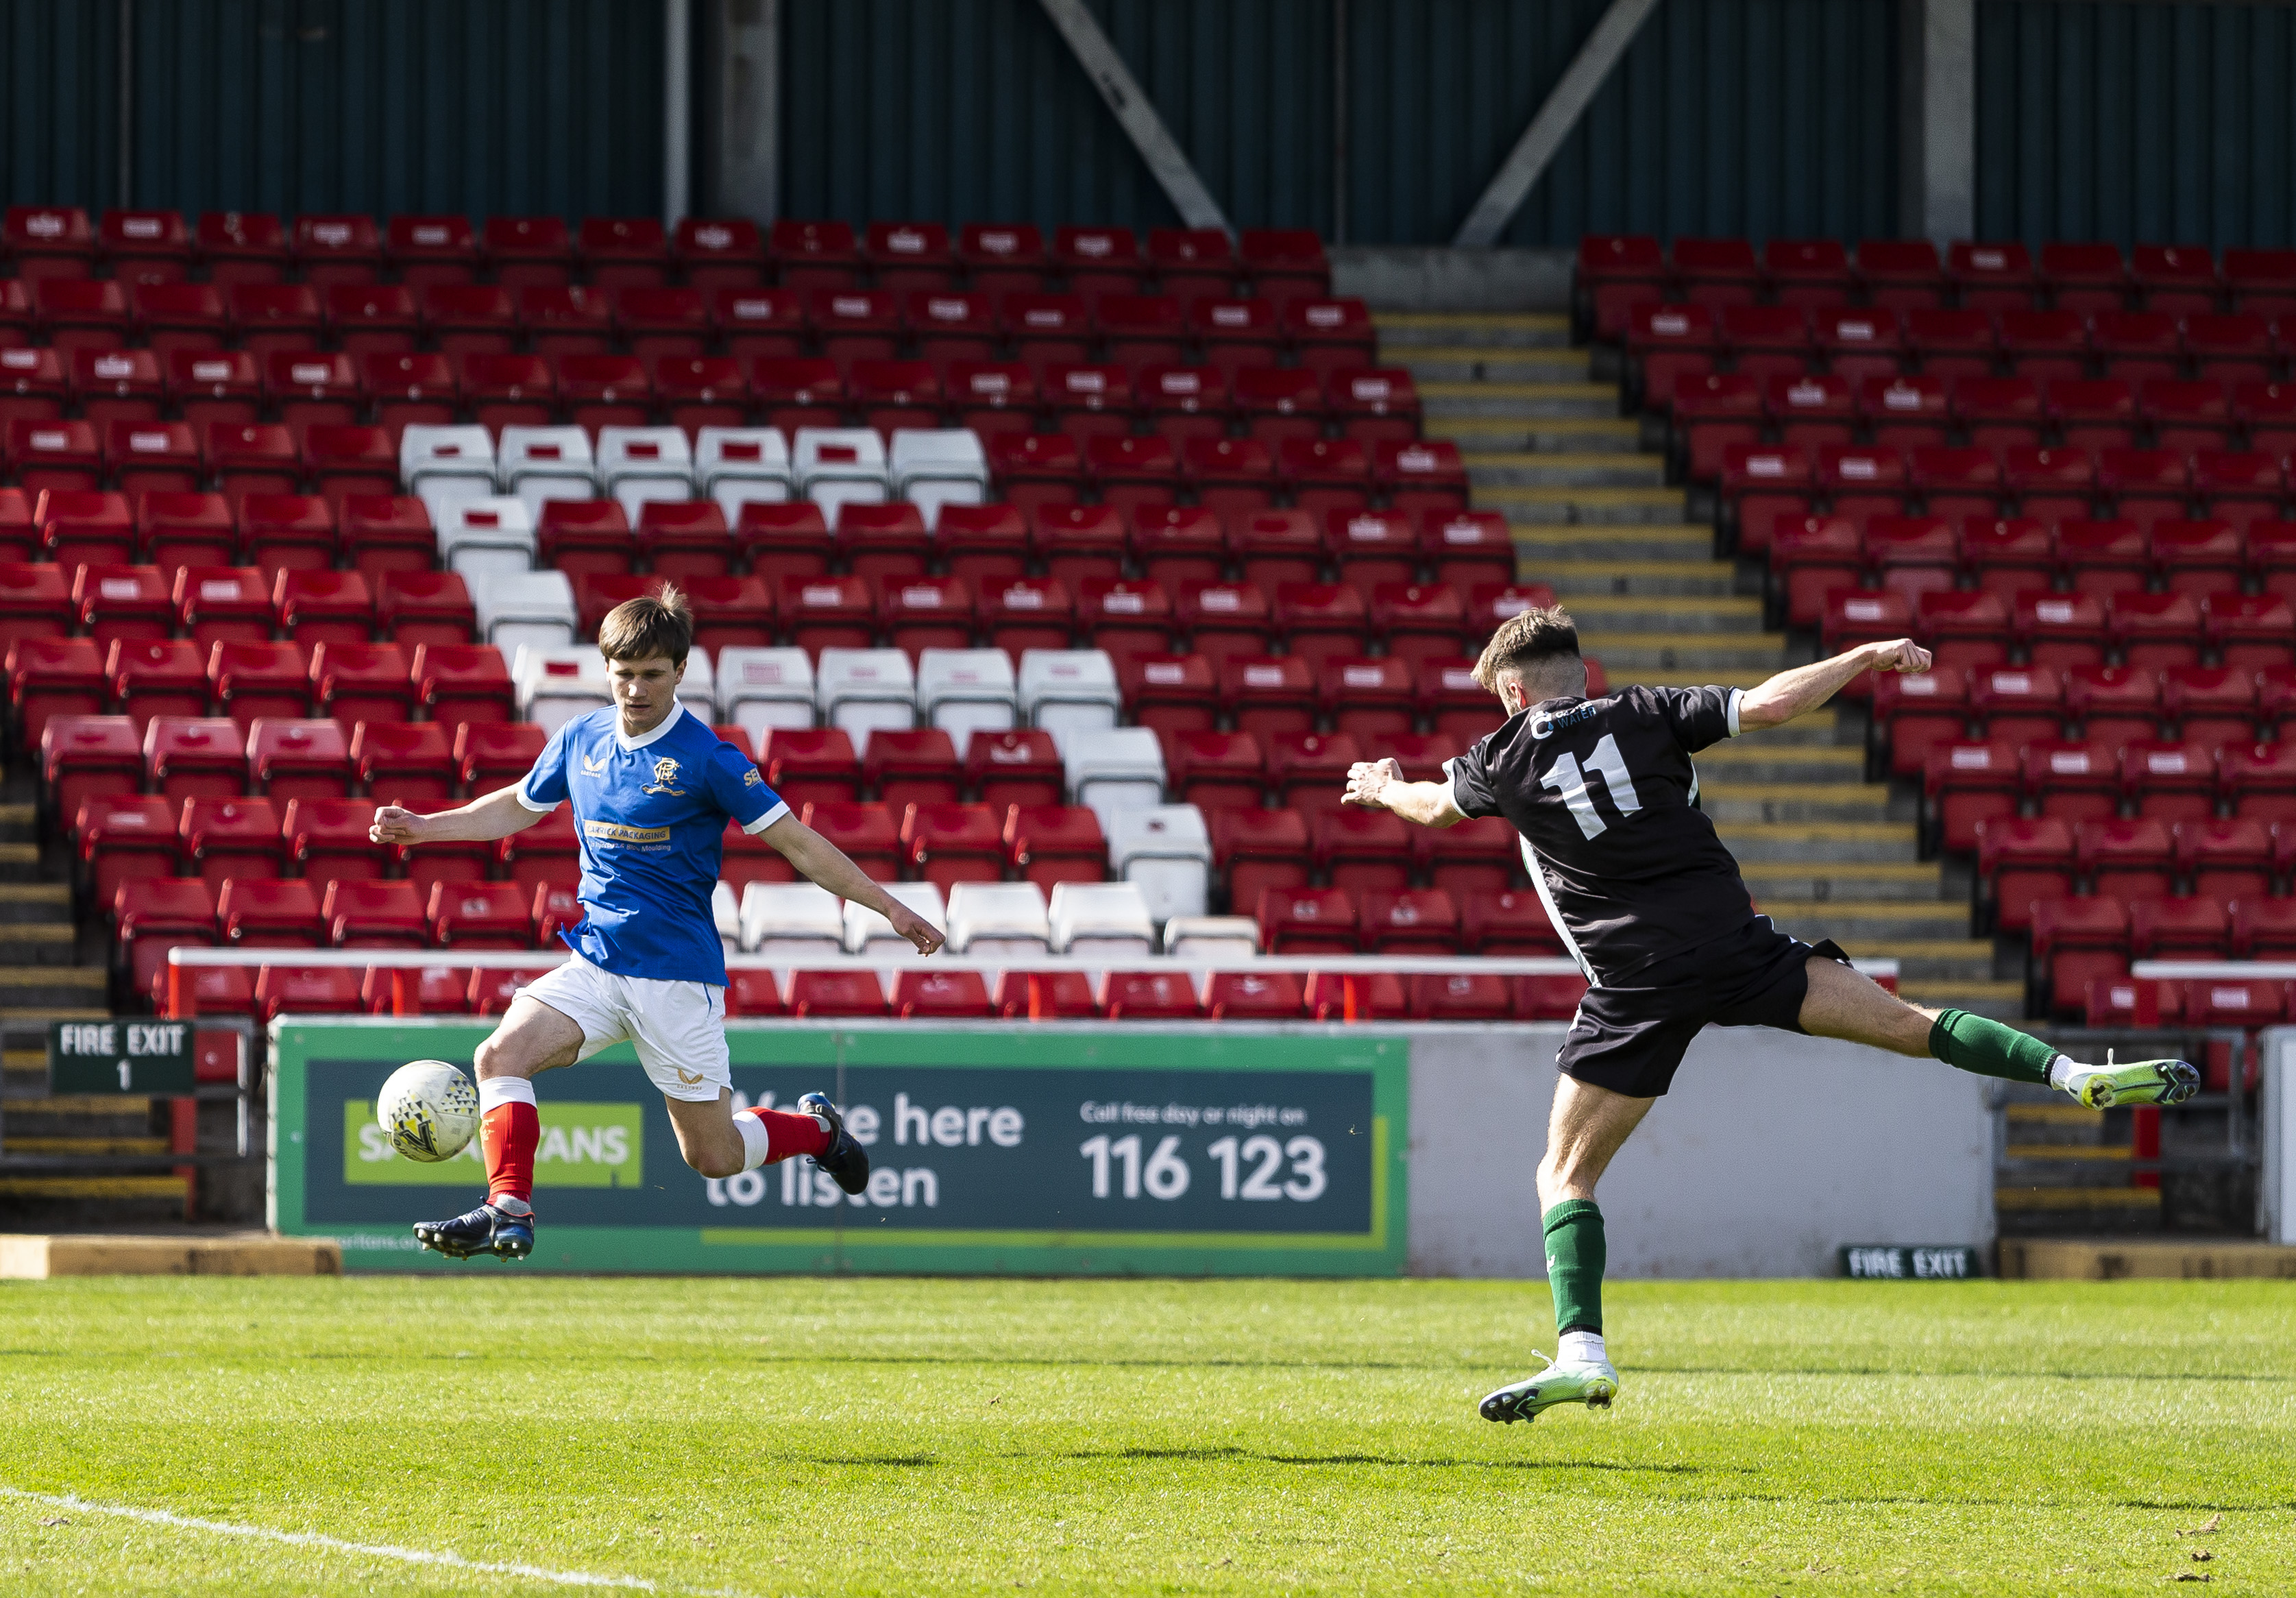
[(1607, 799)]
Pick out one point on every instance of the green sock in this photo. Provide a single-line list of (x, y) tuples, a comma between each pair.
[(1574, 1264), (1973, 1044)]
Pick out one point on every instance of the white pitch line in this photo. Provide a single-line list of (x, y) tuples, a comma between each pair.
[(313, 1539)]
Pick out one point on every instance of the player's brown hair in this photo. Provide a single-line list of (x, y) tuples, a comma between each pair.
[(1543, 632), (654, 624)]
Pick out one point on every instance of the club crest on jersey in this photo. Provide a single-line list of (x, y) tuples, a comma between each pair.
[(665, 774)]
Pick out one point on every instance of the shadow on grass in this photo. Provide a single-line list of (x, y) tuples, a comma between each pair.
[(1215, 1455)]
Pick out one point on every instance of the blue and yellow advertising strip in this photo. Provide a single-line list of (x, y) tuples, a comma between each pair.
[(1040, 1149)]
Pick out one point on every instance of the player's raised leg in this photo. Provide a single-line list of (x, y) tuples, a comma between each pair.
[(1585, 1129), (718, 1141), (1844, 1003), (532, 1038)]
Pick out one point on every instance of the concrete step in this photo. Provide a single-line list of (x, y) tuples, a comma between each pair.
[(1826, 882), (1451, 363), (2060, 1128), (1739, 761), (1584, 435), (1825, 843), (87, 1145), (2059, 1200), (20, 823), (1659, 579), (20, 863), (1774, 802), (1995, 1000), (1584, 506), (38, 944), (1402, 330), (1706, 614), (165, 1190), (1867, 921), (1930, 959), (1443, 401), (1683, 651), (1494, 471), (34, 902), (1535, 541), (30, 992)]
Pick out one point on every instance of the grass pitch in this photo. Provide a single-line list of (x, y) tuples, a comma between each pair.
[(792, 1436)]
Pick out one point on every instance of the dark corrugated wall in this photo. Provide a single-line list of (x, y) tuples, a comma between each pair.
[(957, 111), (476, 106), (2151, 124), (61, 128), (1758, 117), (960, 109)]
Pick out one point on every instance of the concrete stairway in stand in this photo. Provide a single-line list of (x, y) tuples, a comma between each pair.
[(1826, 853)]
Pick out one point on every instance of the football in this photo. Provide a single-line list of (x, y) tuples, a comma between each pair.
[(429, 1109)]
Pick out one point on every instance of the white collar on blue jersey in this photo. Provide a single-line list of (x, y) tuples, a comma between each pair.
[(662, 727)]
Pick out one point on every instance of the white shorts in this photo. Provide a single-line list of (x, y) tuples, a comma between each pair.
[(679, 1027)]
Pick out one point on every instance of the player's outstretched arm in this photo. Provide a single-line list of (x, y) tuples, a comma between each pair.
[(1379, 785), (1802, 690), (482, 821), (821, 862)]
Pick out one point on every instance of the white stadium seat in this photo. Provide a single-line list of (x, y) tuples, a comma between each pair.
[(998, 919), (556, 685), (637, 464), (726, 910), (794, 920), (1167, 853), (445, 466), (965, 691), (484, 539), (931, 467), (866, 932), (1069, 690), (525, 607), (1113, 770), (742, 466), (761, 687), (537, 463), (860, 690), (697, 690), (1211, 935), (839, 466), (1097, 919)]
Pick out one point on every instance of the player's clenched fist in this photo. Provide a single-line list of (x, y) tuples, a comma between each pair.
[(1897, 654), (1368, 780), (393, 824), (923, 934)]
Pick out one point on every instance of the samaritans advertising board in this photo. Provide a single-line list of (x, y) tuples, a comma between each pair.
[(1045, 1148)]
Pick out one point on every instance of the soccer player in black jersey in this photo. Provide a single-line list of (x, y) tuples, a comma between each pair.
[(1650, 905)]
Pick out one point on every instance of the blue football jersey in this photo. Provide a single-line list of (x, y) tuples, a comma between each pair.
[(650, 813)]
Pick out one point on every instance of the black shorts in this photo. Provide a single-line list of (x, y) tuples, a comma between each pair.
[(1630, 1039)]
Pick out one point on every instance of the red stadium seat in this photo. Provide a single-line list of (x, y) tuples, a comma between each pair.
[(1257, 851), (1052, 843), (1216, 772)]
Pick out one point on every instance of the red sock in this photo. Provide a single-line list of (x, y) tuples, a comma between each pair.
[(507, 1137), (788, 1133)]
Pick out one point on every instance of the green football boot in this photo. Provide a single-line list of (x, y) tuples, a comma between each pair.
[(1593, 1384), (2110, 1086)]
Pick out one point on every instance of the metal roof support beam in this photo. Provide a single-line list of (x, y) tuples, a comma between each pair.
[(677, 111), (1136, 114), (1937, 129), (1566, 102)]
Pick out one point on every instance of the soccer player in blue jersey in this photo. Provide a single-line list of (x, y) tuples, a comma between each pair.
[(652, 789)]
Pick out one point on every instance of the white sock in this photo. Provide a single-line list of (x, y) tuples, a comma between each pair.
[(755, 1144), (494, 1091), (1579, 1348), (2063, 1070)]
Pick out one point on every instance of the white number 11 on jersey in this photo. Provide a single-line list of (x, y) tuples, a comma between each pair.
[(1566, 779)]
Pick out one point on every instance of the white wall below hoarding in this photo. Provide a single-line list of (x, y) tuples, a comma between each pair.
[(1771, 1151)]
